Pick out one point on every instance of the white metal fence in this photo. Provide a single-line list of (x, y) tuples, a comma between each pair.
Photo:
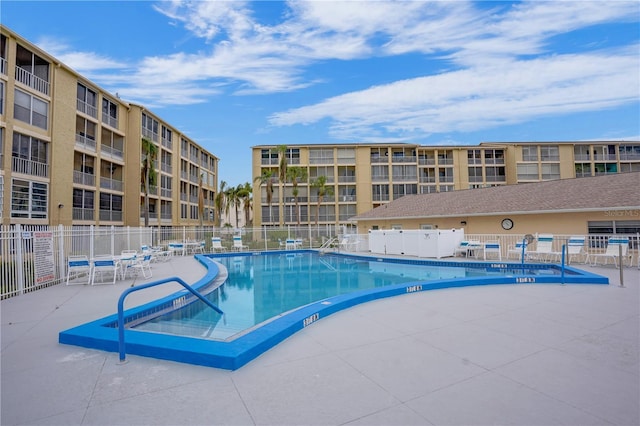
[(34, 257)]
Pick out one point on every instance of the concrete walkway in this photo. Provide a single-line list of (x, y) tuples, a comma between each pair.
[(524, 355)]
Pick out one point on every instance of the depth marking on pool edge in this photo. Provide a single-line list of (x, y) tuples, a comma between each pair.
[(310, 319), (414, 288)]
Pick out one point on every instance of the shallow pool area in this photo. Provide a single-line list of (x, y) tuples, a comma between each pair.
[(267, 297)]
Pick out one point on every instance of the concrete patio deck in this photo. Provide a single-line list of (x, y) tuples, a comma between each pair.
[(525, 354)]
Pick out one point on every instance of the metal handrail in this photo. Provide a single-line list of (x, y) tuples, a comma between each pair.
[(121, 346)]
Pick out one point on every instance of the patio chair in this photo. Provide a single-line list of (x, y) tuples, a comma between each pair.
[(216, 245), (290, 244), (142, 265), (515, 251), (105, 265), (348, 242), (613, 251), (76, 266), (544, 249), (492, 249), (198, 248), (462, 248), (177, 248), (237, 243), (575, 248)]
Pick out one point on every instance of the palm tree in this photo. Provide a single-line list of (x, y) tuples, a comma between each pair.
[(231, 195), (149, 176), (220, 203), (282, 177), (323, 189), (296, 175), (245, 196), (266, 178)]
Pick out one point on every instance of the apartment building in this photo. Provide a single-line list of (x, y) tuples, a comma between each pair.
[(364, 176), (72, 153)]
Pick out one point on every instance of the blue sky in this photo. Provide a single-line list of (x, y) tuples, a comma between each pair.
[(234, 74)]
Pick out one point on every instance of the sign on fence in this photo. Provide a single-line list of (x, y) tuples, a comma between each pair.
[(45, 270)]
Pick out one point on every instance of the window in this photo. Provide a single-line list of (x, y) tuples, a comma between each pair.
[(167, 137), (550, 171), (2, 96), (530, 153), (110, 113), (583, 169), (549, 153), (497, 173), (32, 70), (627, 152), (30, 109), (321, 156), (30, 155), (581, 153), (473, 156), (445, 157), (400, 190), (269, 156), (110, 207), (380, 192), (87, 101), (83, 204), (86, 130), (346, 211), (315, 172), (494, 156), (475, 174), (445, 174), (184, 211), (346, 155), (292, 155), (528, 172), (150, 127), (404, 172), (29, 199), (380, 173)]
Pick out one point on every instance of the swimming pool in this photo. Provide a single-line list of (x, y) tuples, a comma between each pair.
[(269, 296)]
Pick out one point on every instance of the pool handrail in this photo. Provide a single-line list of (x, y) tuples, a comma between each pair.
[(121, 345)]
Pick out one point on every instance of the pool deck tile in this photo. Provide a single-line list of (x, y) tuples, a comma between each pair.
[(530, 354)]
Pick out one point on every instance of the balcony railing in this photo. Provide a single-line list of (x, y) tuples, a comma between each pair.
[(321, 160), (111, 151), (86, 143), (379, 178), (29, 79), (112, 184), (427, 161), (629, 157), (427, 179), (375, 160), (82, 214), (3, 66), (164, 192), (29, 167), (403, 159), (167, 143), (81, 178), (111, 215), (404, 178), (109, 120), (269, 161), (85, 108), (380, 197), (166, 167), (582, 157), (346, 179)]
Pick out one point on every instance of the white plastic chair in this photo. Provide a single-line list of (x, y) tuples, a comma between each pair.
[(290, 244), (492, 249), (105, 265), (237, 243), (613, 251), (78, 265), (177, 248), (544, 249), (575, 248), (515, 251), (142, 265), (216, 245)]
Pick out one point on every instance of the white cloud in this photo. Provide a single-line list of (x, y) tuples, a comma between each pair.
[(481, 97)]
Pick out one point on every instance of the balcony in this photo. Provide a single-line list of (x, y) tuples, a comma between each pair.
[(82, 214), (31, 80), (29, 167), (269, 162), (3, 66), (403, 159), (167, 143), (109, 120), (380, 197), (87, 109), (346, 179), (321, 160), (164, 192), (111, 151), (166, 168), (112, 184), (87, 143), (81, 178), (110, 216)]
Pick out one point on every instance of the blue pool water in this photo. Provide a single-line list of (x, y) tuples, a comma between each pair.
[(259, 288), (268, 297)]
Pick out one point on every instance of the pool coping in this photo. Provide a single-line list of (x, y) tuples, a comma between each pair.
[(233, 354)]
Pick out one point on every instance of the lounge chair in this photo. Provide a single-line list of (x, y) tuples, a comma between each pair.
[(290, 244), (462, 248), (492, 249), (216, 245), (76, 266), (237, 243), (613, 251), (348, 242), (515, 251), (575, 248), (544, 249), (177, 248)]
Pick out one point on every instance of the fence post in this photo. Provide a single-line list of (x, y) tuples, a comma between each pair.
[(113, 240), (621, 268), (19, 258), (61, 256)]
